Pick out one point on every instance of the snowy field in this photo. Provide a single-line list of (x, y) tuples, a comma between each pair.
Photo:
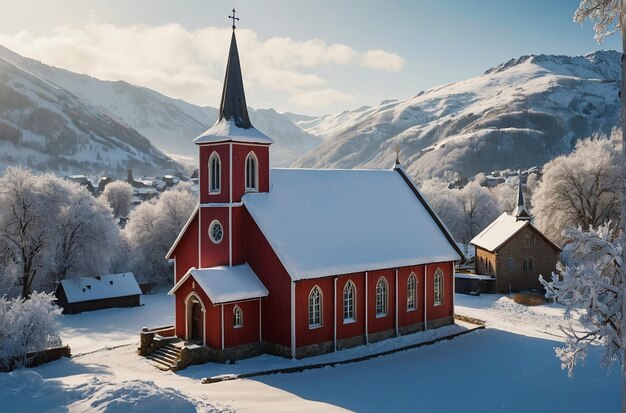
[(508, 367)]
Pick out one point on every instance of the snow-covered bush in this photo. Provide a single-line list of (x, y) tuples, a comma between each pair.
[(590, 281), (582, 188), (152, 229), (27, 326)]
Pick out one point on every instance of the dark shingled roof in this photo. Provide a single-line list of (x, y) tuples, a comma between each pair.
[(233, 104)]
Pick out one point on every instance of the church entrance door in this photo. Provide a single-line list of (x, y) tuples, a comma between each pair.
[(197, 327)]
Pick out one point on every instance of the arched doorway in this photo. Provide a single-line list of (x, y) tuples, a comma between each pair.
[(195, 318)]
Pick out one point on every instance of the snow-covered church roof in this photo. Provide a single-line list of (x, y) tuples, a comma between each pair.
[(326, 222), (227, 130), (98, 288), (226, 284)]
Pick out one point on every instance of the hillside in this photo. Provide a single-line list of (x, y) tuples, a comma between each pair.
[(170, 124), (518, 114), (47, 128)]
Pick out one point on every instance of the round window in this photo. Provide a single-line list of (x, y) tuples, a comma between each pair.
[(216, 232)]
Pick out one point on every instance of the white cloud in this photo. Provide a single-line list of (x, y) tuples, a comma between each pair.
[(190, 64), (382, 60)]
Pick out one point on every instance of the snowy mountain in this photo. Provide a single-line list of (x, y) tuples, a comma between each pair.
[(518, 114), (47, 128), (170, 124)]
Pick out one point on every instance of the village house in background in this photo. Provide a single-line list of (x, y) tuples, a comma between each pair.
[(298, 262), (75, 295), (513, 251)]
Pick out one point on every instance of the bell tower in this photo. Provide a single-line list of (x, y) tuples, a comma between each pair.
[(233, 160)]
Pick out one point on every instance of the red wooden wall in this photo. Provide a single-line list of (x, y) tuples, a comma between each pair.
[(186, 252), (213, 254), (249, 331), (276, 311)]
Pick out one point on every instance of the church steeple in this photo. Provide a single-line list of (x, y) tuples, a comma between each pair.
[(233, 104), (521, 213)]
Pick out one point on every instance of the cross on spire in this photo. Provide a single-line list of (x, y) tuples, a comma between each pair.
[(234, 18), (397, 150)]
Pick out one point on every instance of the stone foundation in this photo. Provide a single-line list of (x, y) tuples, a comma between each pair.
[(413, 328), (314, 349), (350, 342), (446, 321), (381, 335), (276, 349)]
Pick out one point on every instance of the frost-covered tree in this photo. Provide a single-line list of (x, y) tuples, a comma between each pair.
[(479, 208), (27, 326), (25, 226), (119, 195), (86, 236), (582, 188), (152, 229), (590, 280), (465, 211), (609, 16), (51, 228)]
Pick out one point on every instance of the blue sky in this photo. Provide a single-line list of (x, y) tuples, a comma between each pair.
[(310, 57)]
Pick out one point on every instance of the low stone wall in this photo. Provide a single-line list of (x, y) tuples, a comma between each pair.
[(152, 339), (36, 358)]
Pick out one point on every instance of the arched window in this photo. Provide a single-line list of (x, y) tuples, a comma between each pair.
[(381, 297), (511, 264), (315, 307), (438, 286), (349, 294), (237, 317), (252, 172), (411, 290), (215, 173), (527, 265)]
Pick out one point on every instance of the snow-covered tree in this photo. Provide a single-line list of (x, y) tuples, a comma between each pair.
[(609, 16), (152, 229), (582, 188), (479, 208), (27, 326), (86, 236), (465, 211), (590, 281), (25, 226), (51, 228), (119, 195)]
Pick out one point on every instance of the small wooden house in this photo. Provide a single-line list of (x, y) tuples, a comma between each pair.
[(513, 251), (76, 295)]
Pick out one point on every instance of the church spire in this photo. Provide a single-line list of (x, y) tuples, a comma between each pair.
[(233, 104), (521, 213)]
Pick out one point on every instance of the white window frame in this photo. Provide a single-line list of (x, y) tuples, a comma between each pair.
[(411, 292), (349, 303), (237, 317), (215, 221), (315, 307), (255, 186), (438, 287), (381, 297), (215, 191)]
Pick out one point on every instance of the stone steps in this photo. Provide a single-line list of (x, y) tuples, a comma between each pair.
[(164, 358)]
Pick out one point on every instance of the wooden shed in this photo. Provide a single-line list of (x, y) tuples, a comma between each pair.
[(76, 295)]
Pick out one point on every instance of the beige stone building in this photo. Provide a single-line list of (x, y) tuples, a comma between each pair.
[(515, 252)]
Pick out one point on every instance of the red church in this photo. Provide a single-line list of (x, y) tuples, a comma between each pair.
[(298, 262)]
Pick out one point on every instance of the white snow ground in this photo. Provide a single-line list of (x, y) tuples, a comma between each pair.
[(508, 367)]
